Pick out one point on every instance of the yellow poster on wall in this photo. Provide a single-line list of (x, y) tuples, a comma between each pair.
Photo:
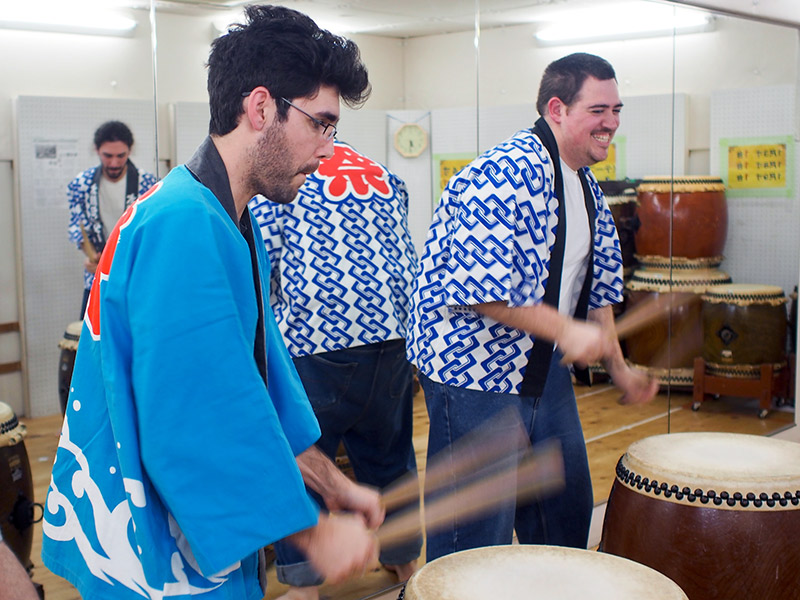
[(449, 167), (757, 166)]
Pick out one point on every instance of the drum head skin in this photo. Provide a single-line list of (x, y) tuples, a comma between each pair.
[(522, 572), (11, 430), (724, 462)]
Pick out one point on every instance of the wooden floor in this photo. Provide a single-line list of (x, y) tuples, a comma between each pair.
[(608, 427)]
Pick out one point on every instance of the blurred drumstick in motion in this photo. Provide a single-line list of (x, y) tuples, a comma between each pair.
[(500, 438), (540, 472), (651, 310)]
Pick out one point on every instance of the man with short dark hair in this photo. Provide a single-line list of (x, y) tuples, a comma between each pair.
[(98, 196), (517, 280), (188, 439)]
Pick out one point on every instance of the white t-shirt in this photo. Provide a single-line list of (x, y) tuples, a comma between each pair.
[(577, 245), (112, 201)]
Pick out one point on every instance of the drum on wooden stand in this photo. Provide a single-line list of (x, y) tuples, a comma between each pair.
[(66, 361), (666, 348), (744, 326), (522, 572), (718, 513), (693, 209), (16, 487)]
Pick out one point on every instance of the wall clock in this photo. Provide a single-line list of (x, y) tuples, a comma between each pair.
[(410, 140)]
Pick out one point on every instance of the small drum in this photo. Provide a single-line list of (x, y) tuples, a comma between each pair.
[(66, 362), (744, 325), (621, 198), (16, 487), (522, 572), (718, 513), (694, 209), (666, 348)]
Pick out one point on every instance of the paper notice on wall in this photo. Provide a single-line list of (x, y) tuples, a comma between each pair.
[(55, 164)]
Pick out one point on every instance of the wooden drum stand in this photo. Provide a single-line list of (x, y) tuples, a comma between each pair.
[(772, 382)]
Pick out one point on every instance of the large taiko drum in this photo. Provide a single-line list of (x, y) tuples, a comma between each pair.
[(522, 572), (66, 362), (744, 325), (16, 487), (621, 199), (718, 513), (667, 347), (693, 209)]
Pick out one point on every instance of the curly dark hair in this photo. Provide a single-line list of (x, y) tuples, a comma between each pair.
[(564, 77), (286, 52), (113, 131)]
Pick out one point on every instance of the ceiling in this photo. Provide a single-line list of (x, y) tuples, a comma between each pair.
[(412, 18)]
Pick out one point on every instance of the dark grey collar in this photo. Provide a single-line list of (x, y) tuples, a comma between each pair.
[(207, 167)]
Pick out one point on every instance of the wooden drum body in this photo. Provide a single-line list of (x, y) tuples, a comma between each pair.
[(744, 325), (621, 198), (667, 347), (66, 362), (521, 572), (16, 487), (694, 209), (717, 513)]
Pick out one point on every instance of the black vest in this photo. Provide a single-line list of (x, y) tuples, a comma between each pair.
[(541, 354)]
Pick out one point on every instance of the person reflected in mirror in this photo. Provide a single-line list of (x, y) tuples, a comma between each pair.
[(516, 282), (99, 195), (188, 439), (342, 267)]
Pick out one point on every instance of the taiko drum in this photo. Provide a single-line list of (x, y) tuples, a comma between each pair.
[(692, 212), (522, 572), (16, 487), (744, 324), (667, 347), (718, 513)]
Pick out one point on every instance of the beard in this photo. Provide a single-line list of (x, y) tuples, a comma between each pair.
[(113, 173), (271, 172)]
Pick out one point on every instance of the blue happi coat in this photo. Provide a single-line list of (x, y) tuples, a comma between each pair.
[(176, 461)]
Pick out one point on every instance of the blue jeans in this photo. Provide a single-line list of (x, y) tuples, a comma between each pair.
[(362, 397), (561, 520)]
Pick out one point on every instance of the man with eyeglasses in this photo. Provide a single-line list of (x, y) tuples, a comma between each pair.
[(188, 439)]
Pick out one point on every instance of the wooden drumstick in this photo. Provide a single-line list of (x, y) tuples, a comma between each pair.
[(541, 472), (88, 248), (499, 439), (649, 311)]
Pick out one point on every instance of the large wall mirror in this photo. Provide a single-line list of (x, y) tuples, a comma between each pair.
[(710, 125)]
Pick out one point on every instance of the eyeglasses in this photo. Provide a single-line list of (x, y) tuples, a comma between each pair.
[(328, 130)]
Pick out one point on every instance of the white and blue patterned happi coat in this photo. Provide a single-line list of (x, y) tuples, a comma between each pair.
[(490, 240), (84, 209), (342, 258)]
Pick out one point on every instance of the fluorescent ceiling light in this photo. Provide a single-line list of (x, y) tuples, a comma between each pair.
[(592, 25), (66, 17)]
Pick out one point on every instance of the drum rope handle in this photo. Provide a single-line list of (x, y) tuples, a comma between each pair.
[(631, 479)]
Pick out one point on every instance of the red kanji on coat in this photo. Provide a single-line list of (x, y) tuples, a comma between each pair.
[(348, 172)]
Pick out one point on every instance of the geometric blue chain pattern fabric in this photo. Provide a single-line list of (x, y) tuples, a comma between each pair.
[(84, 209), (342, 257), (490, 240)]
